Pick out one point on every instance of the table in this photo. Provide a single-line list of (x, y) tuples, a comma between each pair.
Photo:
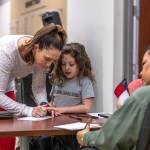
[(14, 127)]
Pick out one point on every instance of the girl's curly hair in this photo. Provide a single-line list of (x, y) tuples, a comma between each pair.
[(77, 51)]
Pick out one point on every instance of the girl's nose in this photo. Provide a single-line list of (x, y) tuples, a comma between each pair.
[(67, 66)]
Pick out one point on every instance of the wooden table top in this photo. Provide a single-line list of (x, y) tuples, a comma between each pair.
[(14, 127)]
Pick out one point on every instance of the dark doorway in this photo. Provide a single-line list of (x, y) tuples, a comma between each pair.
[(144, 28)]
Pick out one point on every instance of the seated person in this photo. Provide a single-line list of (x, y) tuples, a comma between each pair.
[(72, 90), (122, 129), (135, 83)]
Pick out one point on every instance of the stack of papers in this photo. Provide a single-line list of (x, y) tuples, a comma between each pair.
[(6, 115), (76, 126)]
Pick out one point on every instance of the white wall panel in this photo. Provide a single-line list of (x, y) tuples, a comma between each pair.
[(4, 17), (91, 22)]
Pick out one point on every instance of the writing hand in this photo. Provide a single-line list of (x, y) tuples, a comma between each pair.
[(118, 104), (81, 133), (39, 111)]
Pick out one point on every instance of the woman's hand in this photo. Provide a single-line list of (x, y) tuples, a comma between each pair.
[(39, 111), (80, 135)]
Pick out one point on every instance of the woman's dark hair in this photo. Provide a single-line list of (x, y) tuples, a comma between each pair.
[(77, 51), (47, 36)]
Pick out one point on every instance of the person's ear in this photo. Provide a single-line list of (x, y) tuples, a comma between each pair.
[(35, 48)]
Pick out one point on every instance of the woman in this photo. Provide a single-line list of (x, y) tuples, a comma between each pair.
[(22, 55), (121, 131)]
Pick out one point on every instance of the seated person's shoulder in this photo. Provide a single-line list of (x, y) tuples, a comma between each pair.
[(144, 91), (85, 80)]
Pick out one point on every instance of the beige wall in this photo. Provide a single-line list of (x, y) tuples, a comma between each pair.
[(28, 20)]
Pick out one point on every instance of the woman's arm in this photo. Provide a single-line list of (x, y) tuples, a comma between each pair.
[(121, 130)]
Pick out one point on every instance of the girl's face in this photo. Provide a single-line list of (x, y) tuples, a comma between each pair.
[(145, 73), (44, 58), (69, 66)]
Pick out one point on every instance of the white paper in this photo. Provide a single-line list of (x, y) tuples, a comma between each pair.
[(77, 126), (35, 118), (96, 114)]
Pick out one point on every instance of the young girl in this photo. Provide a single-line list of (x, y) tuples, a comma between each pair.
[(72, 90)]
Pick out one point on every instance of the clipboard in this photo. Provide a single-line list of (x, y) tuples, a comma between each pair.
[(6, 115)]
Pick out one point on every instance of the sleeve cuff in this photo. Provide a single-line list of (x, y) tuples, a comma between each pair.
[(29, 112)]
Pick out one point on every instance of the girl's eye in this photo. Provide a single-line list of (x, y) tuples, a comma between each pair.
[(71, 64)]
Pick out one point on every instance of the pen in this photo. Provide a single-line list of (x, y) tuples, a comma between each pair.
[(75, 118), (101, 115), (88, 123), (88, 116), (46, 105)]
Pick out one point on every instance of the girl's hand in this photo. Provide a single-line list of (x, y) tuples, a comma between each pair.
[(80, 135), (53, 111)]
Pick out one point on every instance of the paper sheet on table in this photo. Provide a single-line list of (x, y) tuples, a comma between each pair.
[(35, 118), (96, 114), (77, 126)]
